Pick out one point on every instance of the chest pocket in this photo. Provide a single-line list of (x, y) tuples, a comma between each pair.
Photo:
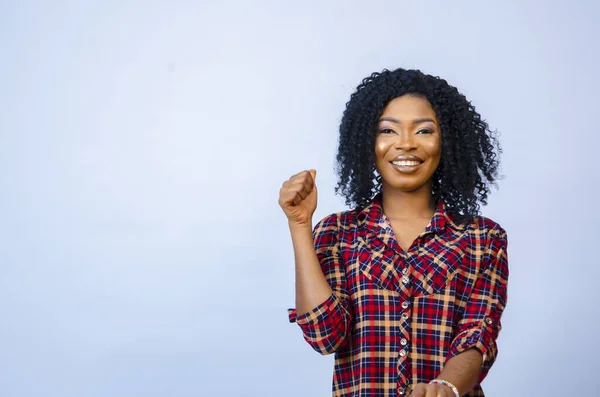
[(434, 266), (380, 264)]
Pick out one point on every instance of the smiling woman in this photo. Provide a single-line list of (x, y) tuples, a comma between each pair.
[(408, 287)]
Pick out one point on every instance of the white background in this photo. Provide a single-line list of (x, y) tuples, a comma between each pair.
[(143, 144)]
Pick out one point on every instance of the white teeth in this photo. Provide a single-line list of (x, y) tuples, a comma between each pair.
[(406, 163)]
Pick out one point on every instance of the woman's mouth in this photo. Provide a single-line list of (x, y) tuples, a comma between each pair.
[(406, 166)]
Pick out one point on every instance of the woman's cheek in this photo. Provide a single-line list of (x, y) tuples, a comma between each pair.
[(381, 148)]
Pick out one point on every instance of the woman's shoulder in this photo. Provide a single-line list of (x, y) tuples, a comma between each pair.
[(339, 220), (486, 226)]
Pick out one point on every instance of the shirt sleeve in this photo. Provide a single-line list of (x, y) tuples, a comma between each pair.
[(480, 324), (325, 327)]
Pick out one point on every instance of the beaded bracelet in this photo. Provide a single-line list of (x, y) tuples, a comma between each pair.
[(446, 383)]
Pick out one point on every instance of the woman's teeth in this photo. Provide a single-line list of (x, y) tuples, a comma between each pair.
[(406, 163)]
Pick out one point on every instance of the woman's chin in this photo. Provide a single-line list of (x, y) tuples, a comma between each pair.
[(407, 185)]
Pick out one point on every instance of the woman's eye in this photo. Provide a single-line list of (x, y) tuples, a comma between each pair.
[(425, 131), (386, 131)]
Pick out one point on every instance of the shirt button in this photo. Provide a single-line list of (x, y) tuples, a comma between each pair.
[(404, 316), (401, 391), (405, 271), (405, 305), (403, 342), (488, 320), (405, 280), (402, 353)]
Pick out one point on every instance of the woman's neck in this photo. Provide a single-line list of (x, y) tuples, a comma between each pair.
[(408, 205)]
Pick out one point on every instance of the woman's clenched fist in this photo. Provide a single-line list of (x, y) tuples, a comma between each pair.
[(298, 198)]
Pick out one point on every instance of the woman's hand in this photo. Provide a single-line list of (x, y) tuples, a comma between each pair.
[(435, 390), (298, 198)]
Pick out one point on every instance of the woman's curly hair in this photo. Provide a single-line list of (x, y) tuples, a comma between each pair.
[(470, 151)]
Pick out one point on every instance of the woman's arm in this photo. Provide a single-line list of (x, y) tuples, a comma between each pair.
[(311, 286), (462, 371), (321, 293), (321, 296)]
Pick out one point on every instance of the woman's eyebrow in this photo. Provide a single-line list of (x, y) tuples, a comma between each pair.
[(414, 122)]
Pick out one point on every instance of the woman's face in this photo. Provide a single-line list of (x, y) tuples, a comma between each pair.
[(408, 145)]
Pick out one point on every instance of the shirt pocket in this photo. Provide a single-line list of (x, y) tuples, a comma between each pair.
[(433, 268), (380, 264)]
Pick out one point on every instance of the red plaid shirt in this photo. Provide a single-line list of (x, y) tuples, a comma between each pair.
[(395, 317)]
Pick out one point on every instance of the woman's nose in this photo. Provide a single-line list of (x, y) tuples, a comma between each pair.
[(405, 141)]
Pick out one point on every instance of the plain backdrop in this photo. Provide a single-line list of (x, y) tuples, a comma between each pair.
[(143, 144)]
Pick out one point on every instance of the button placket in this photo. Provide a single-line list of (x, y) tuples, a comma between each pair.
[(403, 352)]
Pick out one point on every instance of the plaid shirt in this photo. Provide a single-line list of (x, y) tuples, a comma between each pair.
[(395, 317)]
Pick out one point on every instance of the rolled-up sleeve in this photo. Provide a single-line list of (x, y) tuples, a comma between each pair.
[(480, 324), (325, 327)]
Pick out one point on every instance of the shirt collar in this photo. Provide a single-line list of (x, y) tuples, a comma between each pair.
[(373, 218)]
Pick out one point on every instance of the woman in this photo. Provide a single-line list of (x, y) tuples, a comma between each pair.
[(408, 288)]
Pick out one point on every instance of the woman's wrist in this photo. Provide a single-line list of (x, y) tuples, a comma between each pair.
[(300, 226), (446, 383)]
